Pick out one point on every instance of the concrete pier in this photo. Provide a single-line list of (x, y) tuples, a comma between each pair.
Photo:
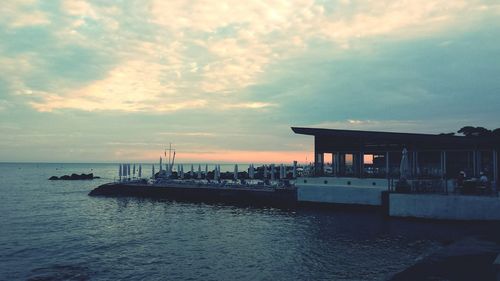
[(195, 192)]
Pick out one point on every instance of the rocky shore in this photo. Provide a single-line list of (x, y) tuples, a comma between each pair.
[(467, 259), (75, 177)]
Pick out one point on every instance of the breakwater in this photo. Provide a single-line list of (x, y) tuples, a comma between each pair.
[(197, 192)]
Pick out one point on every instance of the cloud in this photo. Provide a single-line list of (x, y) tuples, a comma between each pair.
[(405, 126), (241, 156), (4, 104), (248, 105), (188, 134), (22, 13), (132, 86), (176, 55), (221, 76)]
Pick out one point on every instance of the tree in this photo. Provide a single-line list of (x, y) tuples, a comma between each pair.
[(496, 133), (470, 131)]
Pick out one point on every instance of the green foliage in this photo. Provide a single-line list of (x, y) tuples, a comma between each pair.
[(470, 131)]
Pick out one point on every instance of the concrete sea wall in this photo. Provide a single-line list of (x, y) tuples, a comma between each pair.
[(351, 191), (444, 207)]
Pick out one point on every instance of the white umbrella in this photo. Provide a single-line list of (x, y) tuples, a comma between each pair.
[(294, 175), (404, 167), (235, 171), (215, 172), (272, 172), (140, 170), (251, 171)]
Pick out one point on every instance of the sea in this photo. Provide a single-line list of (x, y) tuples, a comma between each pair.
[(52, 230)]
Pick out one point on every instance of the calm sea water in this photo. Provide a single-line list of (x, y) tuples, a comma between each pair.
[(51, 230)]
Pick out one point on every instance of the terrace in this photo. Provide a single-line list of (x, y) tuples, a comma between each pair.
[(434, 162)]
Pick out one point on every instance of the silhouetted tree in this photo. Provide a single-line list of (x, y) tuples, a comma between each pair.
[(470, 131), (496, 132)]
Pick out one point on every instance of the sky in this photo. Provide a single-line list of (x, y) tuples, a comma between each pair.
[(223, 81)]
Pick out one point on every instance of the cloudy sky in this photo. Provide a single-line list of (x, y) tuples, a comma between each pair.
[(95, 80)]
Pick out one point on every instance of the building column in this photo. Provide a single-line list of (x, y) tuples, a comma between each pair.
[(443, 171), (443, 164), (495, 170), (474, 163), (341, 164), (318, 163), (361, 164), (333, 164), (414, 164), (387, 167), (417, 167), (479, 162), (336, 169)]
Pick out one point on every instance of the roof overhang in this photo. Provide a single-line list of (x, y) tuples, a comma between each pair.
[(355, 138)]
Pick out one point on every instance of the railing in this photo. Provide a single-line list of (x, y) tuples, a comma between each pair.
[(441, 186)]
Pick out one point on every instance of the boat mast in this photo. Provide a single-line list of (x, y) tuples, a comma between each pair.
[(169, 152)]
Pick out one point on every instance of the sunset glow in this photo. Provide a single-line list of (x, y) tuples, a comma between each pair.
[(86, 80)]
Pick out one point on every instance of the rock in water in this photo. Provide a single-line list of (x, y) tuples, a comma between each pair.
[(75, 177), (467, 259)]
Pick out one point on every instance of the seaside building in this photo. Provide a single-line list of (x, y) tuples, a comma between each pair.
[(356, 167)]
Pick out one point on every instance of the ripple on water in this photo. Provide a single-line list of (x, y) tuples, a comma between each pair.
[(60, 272), (54, 231)]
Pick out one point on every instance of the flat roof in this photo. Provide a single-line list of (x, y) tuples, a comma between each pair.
[(355, 138)]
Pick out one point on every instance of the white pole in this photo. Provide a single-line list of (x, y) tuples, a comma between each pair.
[(169, 154)]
